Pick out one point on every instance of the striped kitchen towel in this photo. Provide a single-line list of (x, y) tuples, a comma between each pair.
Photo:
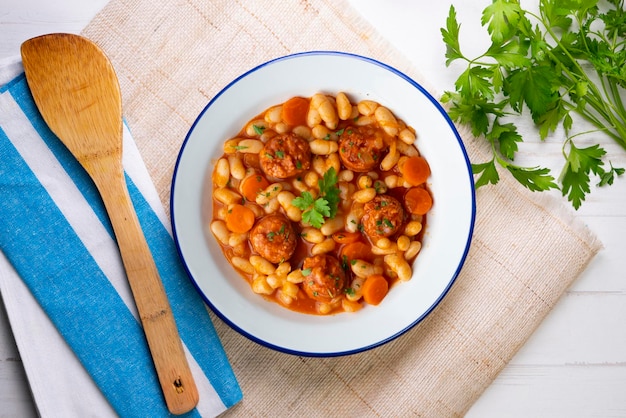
[(64, 285)]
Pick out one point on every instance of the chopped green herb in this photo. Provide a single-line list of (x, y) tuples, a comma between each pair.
[(258, 129)]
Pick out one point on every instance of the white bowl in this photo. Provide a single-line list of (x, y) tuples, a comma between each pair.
[(448, 230)]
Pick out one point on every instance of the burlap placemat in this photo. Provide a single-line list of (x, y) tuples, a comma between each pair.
[(172, 57)]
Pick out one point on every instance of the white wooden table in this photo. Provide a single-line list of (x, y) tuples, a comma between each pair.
[(575, 363)]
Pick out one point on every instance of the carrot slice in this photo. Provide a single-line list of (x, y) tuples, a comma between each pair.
[(345, 237), (295, 111), (375, 289), (356, 251), (415, 170), (251, 185), (418, 200), (239, 219)]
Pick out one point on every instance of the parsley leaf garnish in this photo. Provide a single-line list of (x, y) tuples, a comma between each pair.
[(325, 206)]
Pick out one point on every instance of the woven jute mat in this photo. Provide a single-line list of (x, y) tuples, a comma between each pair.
[(173, 57)]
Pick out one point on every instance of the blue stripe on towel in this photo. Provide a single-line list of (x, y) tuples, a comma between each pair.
[(71, 288), (84, 306)]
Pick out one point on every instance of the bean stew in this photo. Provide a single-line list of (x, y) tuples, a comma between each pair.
[(320, 203)]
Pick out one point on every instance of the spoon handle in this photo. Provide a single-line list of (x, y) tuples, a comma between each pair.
[(177, 383)]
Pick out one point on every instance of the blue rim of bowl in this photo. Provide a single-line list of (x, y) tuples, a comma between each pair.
[(452, 279)]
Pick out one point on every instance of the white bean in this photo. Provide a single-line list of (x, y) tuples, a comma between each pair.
[(403, 243), (345, 175), (295, 277), (237, 169), (269, 193), (260, 285), (391, 249), (364, 269), (221, 174), (312, 235), (261, 265), (250, 146), (408, 150), (313, 117), (237, 239), (286, 202), (230, 146), (242, 264), (367, 107), (328, 114), (256, 127), (364, 195), (323, 247), (413, 250), (391, 158), (311, 178), (271, 207), (399, 265), (392, 181), (284, 298), (407, 136), (283, 269), (364, 120), (322, 132), (274, 281), (323, 147), (274, 114), (386, 120), (332, 225), (356, 289), (290, 289), (302, 131), (227, 196), (364, 181), (412, 228), (344, 107), (220, 231)]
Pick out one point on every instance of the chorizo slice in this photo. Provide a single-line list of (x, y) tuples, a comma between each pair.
[(285, 156), (273, 238), (361, 148), (324, 278), (383, 217)]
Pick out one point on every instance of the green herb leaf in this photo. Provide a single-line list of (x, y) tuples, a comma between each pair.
[(325, 206), (501, 18), (451, 37), (581, 162), (568, 58)]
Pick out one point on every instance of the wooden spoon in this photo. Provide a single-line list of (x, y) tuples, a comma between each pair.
[(77, 92)]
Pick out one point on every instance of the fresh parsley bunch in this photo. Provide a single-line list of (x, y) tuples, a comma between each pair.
[(568, 58), (314, 210)]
